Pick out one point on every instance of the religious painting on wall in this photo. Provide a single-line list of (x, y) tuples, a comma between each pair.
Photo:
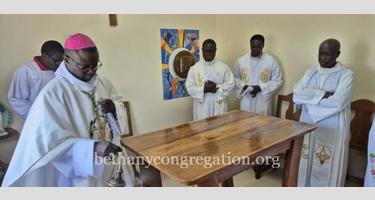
[(179, 51)]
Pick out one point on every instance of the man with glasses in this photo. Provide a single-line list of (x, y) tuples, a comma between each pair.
[(75, 123), (30, 78)]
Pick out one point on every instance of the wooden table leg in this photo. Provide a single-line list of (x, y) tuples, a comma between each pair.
[(150, 176), (210, 182), (291, 165), (228, 183)]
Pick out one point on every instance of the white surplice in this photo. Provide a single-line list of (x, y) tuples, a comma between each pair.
[(25, 86), (57, 141), (370, 171), (209, 104), (328, 145), (263, 71)]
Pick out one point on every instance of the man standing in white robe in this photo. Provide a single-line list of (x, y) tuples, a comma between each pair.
[(67, 132), (257, 76), (30, 78), (370, 171), (209, 82), (324, 92)]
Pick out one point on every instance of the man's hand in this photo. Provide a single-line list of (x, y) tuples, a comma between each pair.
[(255, 91), (107, 106), (210, 86), (104, 149), (328, 94), (244, 88)]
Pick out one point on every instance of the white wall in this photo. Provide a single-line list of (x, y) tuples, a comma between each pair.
[(294, 41), (130, 52)]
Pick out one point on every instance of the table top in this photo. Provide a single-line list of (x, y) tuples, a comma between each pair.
[(230, 135)]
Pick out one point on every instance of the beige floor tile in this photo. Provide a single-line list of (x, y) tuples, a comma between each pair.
[(271, 178)]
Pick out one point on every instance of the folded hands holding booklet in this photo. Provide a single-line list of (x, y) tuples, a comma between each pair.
[(244, 91)]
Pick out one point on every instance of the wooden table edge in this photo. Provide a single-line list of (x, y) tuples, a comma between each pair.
[(204, 177)]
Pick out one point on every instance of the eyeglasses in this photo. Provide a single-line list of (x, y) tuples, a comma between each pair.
[(86, 67)]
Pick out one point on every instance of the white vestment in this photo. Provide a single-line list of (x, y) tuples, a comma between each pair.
[(328, 145), (25, 86), (209, 104), (370, 171), (57, 141), (263, 71)]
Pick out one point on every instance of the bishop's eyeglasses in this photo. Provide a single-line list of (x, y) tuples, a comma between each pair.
[(86, 67)]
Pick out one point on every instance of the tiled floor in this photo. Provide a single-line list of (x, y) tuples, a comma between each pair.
[(271, 178), (244, 179)]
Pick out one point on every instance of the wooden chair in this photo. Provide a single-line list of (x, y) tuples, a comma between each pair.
[(289, 114), (359, 130), (126, 104), (361, 124)]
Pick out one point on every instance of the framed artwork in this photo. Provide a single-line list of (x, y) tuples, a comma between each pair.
[(179, 52)]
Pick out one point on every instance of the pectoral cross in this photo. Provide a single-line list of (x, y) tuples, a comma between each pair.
[(112, 19)]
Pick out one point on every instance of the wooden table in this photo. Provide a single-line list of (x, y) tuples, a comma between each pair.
[(243, 134)]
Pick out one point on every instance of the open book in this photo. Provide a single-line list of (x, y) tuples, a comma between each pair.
[(248, 89), (114, 124)]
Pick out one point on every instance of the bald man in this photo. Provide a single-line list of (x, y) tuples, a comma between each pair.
[(324, 94)]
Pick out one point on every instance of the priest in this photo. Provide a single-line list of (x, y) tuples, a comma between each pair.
[(324, 95), (30, 78), (68, 127), (209, 82), (257, 76)]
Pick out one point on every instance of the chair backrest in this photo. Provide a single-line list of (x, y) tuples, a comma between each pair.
[(126, 104), (361, 123), (289, 112)]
